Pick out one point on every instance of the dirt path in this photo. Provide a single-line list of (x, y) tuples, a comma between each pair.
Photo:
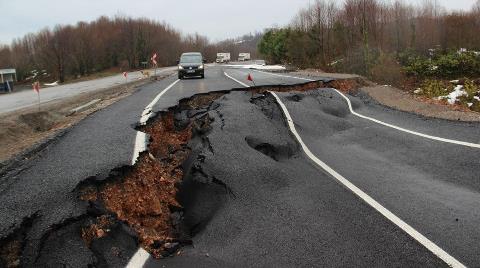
[(401, 100)]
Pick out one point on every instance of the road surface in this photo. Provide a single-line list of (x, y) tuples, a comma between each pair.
[(281, 208), (23, 99)]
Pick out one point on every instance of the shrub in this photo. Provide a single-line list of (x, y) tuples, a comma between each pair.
[(447, 65), (472, 90), (435, 88), (421, 67)]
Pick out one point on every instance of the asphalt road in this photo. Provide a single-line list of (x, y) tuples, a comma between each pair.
[(23, 99), (280, 208)]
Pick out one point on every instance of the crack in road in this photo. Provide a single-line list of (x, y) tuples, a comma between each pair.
[(145, 203)]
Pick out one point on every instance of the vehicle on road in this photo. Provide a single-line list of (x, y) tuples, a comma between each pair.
[(244, 57), (191, 64), (223, 58)]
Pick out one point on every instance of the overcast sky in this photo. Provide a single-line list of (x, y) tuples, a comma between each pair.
[(218, 19)]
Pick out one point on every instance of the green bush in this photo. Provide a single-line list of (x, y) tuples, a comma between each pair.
[(447, 65), (472, 91), (471, 88), (421, 67), (435, 88)]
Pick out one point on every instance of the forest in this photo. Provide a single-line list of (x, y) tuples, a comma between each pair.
[(120, 43), (382, 40)]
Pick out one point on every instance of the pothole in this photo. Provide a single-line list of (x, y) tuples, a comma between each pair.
[(277, 152)]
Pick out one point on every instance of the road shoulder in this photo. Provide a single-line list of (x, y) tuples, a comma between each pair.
[(27, 131), (400, 100), (403, 101)]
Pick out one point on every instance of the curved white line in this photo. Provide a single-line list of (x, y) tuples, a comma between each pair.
[(451, 261), (463, 143), (279, 75), (468, 144)]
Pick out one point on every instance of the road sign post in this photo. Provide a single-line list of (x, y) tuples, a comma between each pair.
[(125, 74), (36, 87), (154, 62), (250, 78)]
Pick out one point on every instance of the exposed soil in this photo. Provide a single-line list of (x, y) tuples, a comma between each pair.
[(145, 197), (11, 247), (10, 253), (97, 230)]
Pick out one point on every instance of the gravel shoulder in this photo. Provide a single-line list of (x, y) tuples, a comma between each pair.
[(400, 100)]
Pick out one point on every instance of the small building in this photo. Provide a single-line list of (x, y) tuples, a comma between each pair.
[(7, 79)]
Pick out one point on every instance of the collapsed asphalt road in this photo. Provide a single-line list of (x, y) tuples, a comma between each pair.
[(39, 193), (249, 195)]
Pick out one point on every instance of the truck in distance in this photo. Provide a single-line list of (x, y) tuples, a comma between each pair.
[(244, 57), (223, 57)]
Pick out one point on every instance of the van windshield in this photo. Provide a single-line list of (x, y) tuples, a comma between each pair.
[(191, 59)]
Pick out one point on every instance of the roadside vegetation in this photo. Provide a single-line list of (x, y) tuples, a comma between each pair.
[(72, 52), (423, 49)]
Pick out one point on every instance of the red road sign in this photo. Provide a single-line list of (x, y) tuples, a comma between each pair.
[(36, 86)]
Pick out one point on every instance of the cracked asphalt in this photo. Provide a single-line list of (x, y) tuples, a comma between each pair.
[(254, 199)]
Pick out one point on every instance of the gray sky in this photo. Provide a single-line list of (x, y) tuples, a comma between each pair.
[(218, 19)]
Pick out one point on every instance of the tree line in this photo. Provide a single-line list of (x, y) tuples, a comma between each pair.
[(362, 35), (70, 51)]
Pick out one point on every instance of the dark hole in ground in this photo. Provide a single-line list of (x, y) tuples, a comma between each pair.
[(277, 152), (295, 98)]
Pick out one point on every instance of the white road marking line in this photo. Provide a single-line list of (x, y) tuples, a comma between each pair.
[(141, 256), (140, 146), (369, 200), (147, 112), (141, 138), (139, 259), (468, 144), (240, 82), (296, 77)]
